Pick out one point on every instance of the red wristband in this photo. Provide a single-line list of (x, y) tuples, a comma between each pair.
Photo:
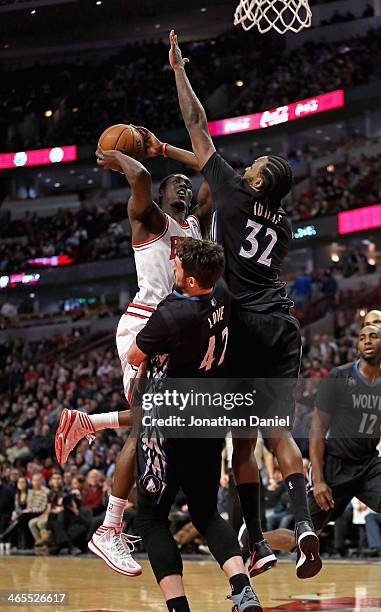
[(164, 149)]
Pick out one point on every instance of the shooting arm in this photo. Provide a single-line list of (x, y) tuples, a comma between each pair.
[(139, 179), (319, 427), (185, 157)]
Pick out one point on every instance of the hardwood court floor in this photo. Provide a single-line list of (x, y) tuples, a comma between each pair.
[(92, 586)]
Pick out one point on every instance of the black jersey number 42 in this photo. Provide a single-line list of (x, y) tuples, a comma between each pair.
[(262, 255)]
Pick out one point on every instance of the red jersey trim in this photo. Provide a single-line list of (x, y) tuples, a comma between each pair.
[(141, 306), (151, 240), (196, 219), (133, 314)]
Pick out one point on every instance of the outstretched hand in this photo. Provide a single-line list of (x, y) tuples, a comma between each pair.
[(176, 58)]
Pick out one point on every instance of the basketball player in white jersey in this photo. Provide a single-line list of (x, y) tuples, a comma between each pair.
[(156, 228)]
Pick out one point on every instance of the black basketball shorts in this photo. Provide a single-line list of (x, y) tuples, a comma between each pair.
[(348, 480), (266, 348)]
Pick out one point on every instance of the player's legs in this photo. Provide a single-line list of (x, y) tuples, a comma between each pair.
[(75, 425), (368, 489), (155, 498), (199, 479), (239, 364), (284, 539), (108, 542)]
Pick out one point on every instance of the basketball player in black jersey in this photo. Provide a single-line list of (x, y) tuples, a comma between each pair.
[(345, 432), (185, 326), (265, 339)]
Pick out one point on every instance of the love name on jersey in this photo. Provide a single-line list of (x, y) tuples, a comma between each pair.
[(217, 315), (366, 401), (261, 211), (174, 242)]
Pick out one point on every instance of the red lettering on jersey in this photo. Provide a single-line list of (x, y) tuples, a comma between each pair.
[(174, 242)]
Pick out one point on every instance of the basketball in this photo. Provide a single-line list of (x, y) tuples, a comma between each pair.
[(124, 138)]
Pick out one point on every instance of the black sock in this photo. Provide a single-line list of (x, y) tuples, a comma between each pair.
[(238, 583), (249, 496), (296, 487), (178, 604)]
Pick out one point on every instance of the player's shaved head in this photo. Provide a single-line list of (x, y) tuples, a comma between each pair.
[(373, 317), (369, 344), (272, 175)]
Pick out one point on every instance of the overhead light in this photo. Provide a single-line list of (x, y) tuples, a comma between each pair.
[(362, 312), (56, 185), (6, 46), (48, 113), (32, 295), (371, 261), (33, 12), (98, 2), (203, 9), (157, 26), (335, 258), (75, 109), (239, 83), (330, 168)]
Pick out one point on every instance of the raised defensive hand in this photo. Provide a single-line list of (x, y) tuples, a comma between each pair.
[(176, 58)]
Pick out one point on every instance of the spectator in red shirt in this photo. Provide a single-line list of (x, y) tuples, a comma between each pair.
[(316, 370), (94, 496)]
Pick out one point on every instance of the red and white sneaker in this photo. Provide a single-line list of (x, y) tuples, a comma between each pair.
[(73, 426), (115, 549)]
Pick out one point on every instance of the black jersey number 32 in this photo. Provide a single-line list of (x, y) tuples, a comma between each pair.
[(264, 257)]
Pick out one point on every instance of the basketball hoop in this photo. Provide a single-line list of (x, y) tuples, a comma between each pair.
[(281, 15)]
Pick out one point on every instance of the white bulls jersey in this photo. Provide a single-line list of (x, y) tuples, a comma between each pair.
[(154, 268)]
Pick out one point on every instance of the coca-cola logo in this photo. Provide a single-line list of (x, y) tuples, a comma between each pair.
[(279, 115), (304, 108), (237, 125)]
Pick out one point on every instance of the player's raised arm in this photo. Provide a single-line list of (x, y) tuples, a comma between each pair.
[(191, 108), (154, 147), (141, 201), (319, 427)]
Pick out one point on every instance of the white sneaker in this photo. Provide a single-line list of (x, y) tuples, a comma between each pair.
[(115, 549), (73, 426)]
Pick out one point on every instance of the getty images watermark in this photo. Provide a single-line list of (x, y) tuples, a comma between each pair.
[(171, 408)]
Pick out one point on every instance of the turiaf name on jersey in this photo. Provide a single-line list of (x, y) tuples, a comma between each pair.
[(261, 211), (366, 401)]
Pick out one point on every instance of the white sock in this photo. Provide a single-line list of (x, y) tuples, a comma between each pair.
[(114, 513), (106, 420)]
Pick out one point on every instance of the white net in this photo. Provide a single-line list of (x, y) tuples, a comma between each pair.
[(280, 15)]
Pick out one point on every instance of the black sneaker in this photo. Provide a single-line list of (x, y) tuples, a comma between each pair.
[(262, 559), (246, 601), (308, 562)]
